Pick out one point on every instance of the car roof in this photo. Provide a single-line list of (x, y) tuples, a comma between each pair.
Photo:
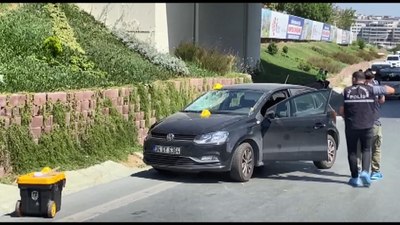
[(265, 87), (393, 56)]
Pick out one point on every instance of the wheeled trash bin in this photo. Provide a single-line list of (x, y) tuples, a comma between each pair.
[(40, 193)]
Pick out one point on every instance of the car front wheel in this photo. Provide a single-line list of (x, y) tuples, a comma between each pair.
[(327, 164), (242, 163)]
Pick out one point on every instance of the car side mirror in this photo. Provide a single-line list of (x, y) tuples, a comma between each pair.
[(270, 115)]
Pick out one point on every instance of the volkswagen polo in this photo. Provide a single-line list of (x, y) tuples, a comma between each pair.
[(238, 127)]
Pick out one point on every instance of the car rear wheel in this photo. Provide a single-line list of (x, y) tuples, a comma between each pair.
[(327, 164), (242, 163)]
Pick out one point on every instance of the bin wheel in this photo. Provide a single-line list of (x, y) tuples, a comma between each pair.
[(51, 209), (18, 211)]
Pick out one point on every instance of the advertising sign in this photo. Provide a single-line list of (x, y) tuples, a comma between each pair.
[(316, 33), (307, 29), (295, 27), (265, 22), (339, 36), (332, 37), (279, 24), (326, 32)]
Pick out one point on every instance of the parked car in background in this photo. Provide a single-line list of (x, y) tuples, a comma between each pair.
[(377, 66), (394, 60), (248, 124), (391, 77)]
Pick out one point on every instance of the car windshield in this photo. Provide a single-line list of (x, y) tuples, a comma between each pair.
[(226, 101)]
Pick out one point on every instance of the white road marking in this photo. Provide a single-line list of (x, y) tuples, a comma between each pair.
[(117, 203)]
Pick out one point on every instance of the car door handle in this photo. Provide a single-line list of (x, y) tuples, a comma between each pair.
[(319, 126)]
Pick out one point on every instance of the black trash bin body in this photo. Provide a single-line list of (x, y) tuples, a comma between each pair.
[(40, 195)]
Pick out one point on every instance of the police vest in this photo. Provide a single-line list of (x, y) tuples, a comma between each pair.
[(359, 107)]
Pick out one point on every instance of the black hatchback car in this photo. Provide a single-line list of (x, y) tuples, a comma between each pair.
[(248, 125)]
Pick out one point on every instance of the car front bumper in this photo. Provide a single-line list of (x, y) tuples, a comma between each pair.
[(190, 157)]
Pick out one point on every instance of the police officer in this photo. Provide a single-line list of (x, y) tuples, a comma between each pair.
[(359, 112), (377, 132)]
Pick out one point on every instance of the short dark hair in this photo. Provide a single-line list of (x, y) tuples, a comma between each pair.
[(369, 74), (359, 75)]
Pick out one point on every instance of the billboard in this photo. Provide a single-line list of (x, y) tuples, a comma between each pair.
[(307, 28), (279, 24), (282, 26), (332, 37), (295, 27), (326, 32), (316, 33), (339, 36), (265, 22)]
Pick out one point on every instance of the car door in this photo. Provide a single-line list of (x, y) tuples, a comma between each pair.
[(297, 128)]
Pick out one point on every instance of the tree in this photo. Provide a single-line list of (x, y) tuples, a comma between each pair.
[(271, 6), (322, 12), (344, 18)]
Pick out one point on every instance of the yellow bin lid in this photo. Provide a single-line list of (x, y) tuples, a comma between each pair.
[(41, 178)]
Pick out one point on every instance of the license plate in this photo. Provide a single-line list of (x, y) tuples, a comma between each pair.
[(167, 149)]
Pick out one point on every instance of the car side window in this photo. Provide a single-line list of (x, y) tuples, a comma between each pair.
[(282, 110), (309, 104), (273, 100)]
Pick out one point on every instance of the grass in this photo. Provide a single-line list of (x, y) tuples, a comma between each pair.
[(275, 68)]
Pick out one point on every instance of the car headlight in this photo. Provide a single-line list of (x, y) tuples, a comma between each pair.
[(218, 138)]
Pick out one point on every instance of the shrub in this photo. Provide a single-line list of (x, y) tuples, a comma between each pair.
[(365, 55), (345, 57), (325, 63), (320, 51), (272, 48), (209, 59), (149, 52), (361, 43), (304, 66), (54, 45), (285, 49)]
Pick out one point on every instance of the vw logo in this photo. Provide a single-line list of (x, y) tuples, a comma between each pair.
[(170, 137)]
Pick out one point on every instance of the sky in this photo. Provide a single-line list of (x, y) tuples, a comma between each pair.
[(378, 9)]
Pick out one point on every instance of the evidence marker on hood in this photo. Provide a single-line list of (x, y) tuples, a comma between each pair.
[(205, 113), (217, 86)]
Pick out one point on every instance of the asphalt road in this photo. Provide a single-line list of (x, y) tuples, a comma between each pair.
[(281, 191)]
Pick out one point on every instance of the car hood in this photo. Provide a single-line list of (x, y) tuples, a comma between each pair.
[(191, 123)]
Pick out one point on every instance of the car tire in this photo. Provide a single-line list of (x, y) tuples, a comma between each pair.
[(242, 163), (332, 150)]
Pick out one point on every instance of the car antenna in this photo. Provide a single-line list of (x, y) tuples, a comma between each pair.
[(287, 78)]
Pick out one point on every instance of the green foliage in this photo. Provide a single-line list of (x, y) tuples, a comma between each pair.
[(91, 55), (367, 56), (320, 51), (304, 66), (361, 43), (272, 48), (343, 18), (149, 52), (285, 49), (346, 57), (325, 63), (314, 11), (208, 59), (53, 45)]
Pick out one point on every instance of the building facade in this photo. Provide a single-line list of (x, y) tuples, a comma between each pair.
[(379, 30), (230, 27)]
